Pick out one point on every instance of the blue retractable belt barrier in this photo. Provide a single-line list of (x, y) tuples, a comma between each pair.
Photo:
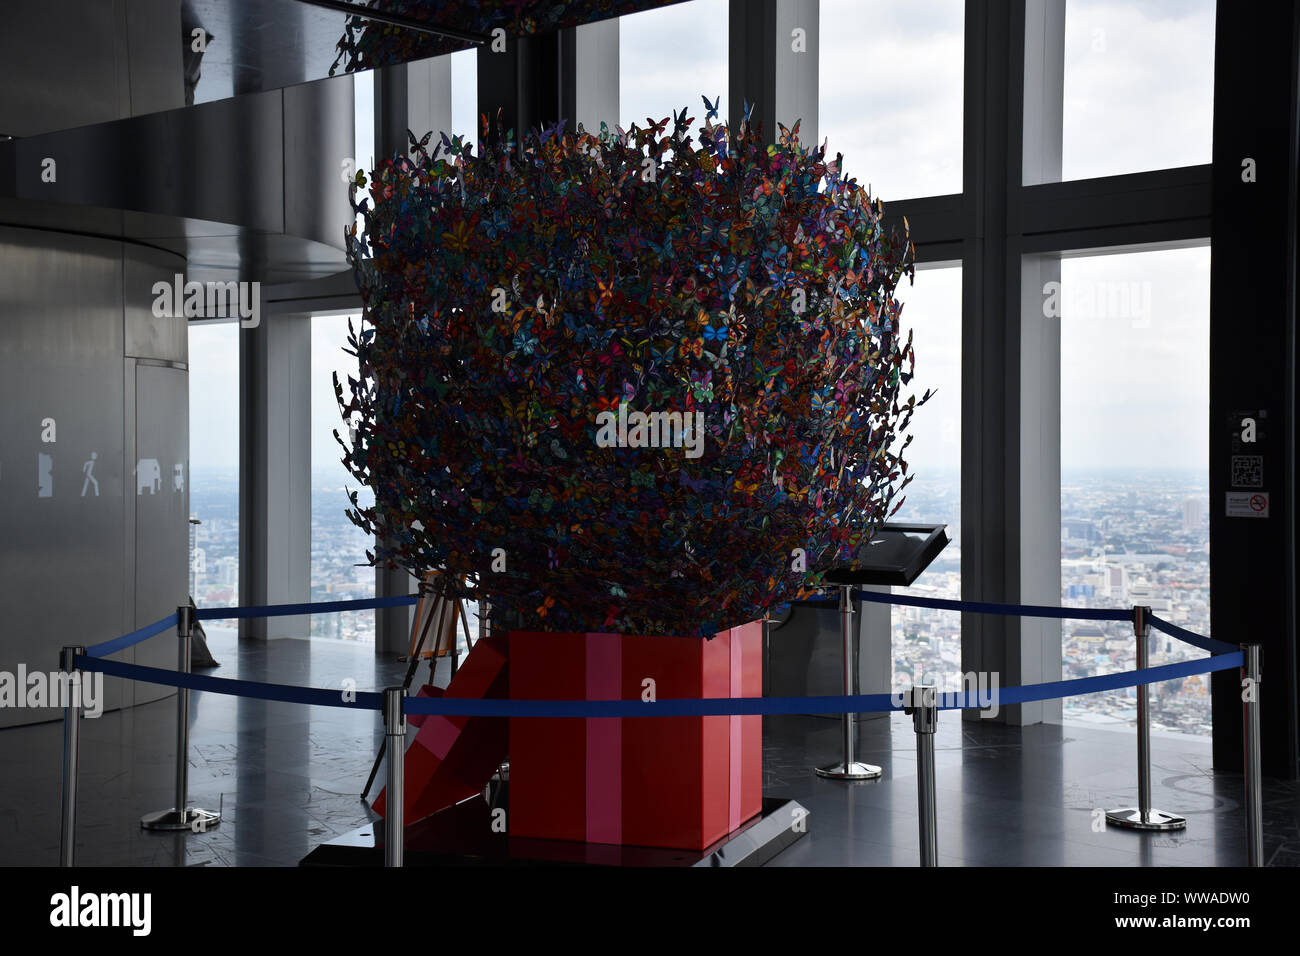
[(361, 700), (135, 637), (691, 707), (984, 607), (853, 704), (1189, 637), (232, 613), (286, 610), (1224, 656)]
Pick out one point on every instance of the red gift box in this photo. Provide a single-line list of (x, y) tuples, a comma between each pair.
[(449, 758), (679, 782)]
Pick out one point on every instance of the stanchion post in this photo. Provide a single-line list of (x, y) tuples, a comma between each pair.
[(184, 627), (1250, 678), (395, 798), (181, 816), (925, 719), (849, 768), (1143, 817), (71, 750)]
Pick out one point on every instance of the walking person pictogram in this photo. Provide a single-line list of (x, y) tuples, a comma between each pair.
[(89, 470)]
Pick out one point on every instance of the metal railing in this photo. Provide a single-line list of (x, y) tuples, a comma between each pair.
[(922, 702)]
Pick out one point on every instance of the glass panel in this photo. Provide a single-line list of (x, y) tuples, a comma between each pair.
[(890, 93), (363, 111), (669, 58), (464, 95), (363, 114), (214, 467), (1139, 86), (927, 641), (338, 547), (1135, 335)]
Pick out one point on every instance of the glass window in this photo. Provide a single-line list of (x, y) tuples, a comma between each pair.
[(464, 95), (214, 466), (927, 641), (1139, 86), (363, 115), (339, 571), (363, 92), (1135, 336), (890, 93), (669, 57)]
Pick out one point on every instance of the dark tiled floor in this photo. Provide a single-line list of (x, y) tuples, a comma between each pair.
[(1015, 797), (290, 776)]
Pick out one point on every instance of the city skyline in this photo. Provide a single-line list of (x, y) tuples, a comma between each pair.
[(1126, 538)]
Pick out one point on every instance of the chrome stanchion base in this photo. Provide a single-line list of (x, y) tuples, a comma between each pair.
[(854, 771), (1131, 819), (193, 819)]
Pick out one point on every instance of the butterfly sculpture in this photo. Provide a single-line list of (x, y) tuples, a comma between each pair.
[(647, 412)]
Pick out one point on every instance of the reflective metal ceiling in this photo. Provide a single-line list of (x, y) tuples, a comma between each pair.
[(228, 155), (260, 45)]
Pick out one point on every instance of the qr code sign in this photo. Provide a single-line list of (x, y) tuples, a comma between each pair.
[(1247, 471)]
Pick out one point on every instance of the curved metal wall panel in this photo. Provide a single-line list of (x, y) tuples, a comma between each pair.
[(92, 539), (319, 134), (221, 161), (247, 188), (76, 62)]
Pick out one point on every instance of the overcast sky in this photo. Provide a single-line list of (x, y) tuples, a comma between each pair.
[(1138, 90), (671, 57)]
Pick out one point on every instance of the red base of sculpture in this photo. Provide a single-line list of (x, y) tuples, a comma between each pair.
[(678, 782), (682, 782)]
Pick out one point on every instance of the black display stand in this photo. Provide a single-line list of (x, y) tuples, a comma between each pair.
[(895, 556), (462, 835)]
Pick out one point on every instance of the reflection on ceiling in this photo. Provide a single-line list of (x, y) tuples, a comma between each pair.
[(254, 45)]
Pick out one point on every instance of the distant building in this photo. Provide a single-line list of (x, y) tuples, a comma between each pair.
[(1090, 633), (1193, 514), (227, 572), (1141, 593), (1145, 594), (220, 597), (1116, 580), (1079, 529)]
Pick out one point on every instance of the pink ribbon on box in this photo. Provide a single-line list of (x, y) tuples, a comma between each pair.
[(604, 741), (736, 749)]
